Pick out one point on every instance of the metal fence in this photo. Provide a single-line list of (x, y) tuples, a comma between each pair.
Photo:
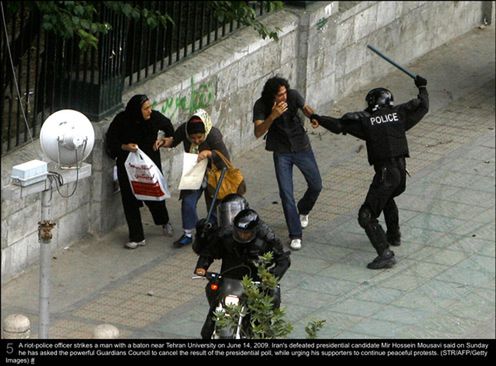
[(52, 73)]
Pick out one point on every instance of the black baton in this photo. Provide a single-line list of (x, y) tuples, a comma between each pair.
[(214, 198), (405, 70)]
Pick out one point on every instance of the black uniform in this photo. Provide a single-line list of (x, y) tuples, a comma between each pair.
[(234, 254), (383, 129), (130, 127)]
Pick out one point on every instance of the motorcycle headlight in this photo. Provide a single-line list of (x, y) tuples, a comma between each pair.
[(231, 300)]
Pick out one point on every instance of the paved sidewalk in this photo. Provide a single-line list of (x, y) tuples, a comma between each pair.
[(442, 287)]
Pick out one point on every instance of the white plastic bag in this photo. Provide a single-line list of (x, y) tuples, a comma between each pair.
[(147, 181)]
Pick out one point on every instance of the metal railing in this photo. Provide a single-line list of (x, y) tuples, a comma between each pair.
[(52, 73)]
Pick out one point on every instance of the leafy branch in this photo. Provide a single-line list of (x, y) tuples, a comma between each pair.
[(246, 15), (266, 321), (80, 18)]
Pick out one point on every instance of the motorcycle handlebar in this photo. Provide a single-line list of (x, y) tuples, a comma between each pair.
[(214, 275), (208, 276)]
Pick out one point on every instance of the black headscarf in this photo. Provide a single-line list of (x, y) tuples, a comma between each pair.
[(133, 107)]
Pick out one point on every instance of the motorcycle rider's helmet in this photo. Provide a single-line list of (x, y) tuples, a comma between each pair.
[(379, 98), (230, 206), (245, 226)]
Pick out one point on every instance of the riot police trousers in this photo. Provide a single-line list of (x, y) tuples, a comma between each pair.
[(389, 182)]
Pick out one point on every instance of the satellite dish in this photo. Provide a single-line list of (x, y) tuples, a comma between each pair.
[(67, 138)]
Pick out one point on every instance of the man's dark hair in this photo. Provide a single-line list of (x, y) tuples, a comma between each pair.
[(270, 90)]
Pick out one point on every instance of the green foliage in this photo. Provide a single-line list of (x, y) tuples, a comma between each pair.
[(152, 18), (266, 321), (79, 18), (246, 15), (313, 328), (70, 18)]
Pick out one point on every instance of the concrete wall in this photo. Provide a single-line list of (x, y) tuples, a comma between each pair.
[(322, 51), (339, 61)]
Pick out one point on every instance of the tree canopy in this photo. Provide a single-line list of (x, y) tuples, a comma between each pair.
[(78, 18)]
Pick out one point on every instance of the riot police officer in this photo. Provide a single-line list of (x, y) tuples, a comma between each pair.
[(227, 209), (382, 125), (239, 253)]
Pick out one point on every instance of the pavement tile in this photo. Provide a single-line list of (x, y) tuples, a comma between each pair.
[(294, 278), (486, 216), (425, 269), (351, 335), (379, 294), (471, 246), (347, 272), (312, 299), (357, 307), (451, 326), (377, 328), (419, 235), (402, 315), (334, 318), (474, 307), (429, 221), (440, 256), (403, 282), (473, 271), (329, 285), (433, 295), (330, 252), (308, 265), (297, 313)]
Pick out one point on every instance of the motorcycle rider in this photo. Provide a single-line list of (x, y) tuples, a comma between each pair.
[(239, 252), (383, 126)]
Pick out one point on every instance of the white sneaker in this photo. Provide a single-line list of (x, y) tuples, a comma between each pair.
[(134, 244), (295, 244), (304, 221), (168, 230)]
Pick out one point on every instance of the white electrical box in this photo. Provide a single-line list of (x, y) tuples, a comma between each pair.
[(29, 173)]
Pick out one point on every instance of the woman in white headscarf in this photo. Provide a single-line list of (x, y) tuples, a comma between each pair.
[(198, 137)]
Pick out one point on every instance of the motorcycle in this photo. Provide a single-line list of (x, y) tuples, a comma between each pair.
[(224, 292)]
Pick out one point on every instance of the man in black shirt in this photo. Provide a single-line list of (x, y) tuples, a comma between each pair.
[(275, 113), (382, 125)]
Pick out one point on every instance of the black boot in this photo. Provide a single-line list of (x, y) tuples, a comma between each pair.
[(385, 260), (377, 237), (394, 239)]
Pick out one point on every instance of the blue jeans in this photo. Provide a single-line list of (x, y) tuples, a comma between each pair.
[(189, 201), (305, 161)]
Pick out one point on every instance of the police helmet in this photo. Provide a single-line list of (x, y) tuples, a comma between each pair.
[(230, 206), (245, 226), (378, 98)]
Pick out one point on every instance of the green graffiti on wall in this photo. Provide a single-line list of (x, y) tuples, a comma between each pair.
[(201, 97), (321, 24)]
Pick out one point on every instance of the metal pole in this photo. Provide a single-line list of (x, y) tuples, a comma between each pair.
[(45, 237), (405, 70), (217, 188)]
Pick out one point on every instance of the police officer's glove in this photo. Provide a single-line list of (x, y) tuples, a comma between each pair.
[(355, 116), (420, 82)]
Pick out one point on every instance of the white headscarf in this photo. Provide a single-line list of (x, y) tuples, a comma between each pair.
[(207, 122)]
